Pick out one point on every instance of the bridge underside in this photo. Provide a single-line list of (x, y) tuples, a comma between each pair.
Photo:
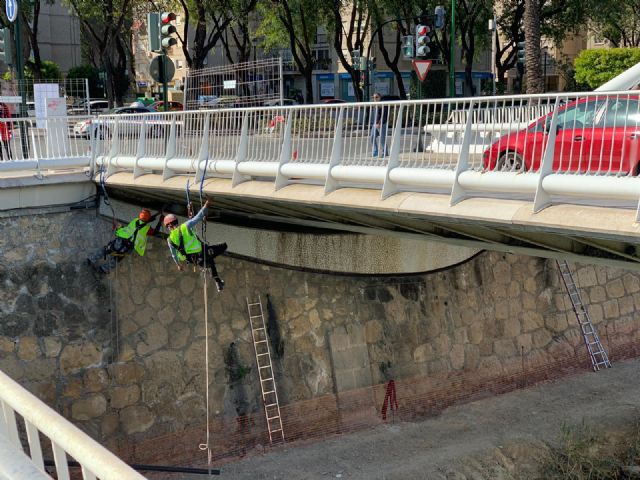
[(583, 233)]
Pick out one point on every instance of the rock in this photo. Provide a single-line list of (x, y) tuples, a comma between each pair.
[(76, 357), (90, 407), (124, 396), (28, 349), (136, 419)]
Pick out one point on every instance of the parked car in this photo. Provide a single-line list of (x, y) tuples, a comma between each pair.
[(285, 102), (173, 106), (332, 100), (95, 107), (595, 134), (83, 127)]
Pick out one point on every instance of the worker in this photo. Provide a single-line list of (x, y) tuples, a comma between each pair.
[(130, 237), (185, 246)]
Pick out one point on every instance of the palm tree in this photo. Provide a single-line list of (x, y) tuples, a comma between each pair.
[(533, 74)]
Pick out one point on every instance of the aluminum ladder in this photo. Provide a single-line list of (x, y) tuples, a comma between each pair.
[(597, 353), (265, 371)]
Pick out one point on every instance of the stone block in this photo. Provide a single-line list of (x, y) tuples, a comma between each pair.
[(339, 340), (356, 334), (152, 338), (611, 309), (92, 406), (631, 283), (75, 357), (557, 323), (109, 424), (28, 348), (457, 357), (95, 379), (596, 313), (502, 273), (531, 321), (423, 353), (524, 342), (502, 310), (127, 373), (504, 348), (52, 346), (6, 345), (362, 377), (476, 333), (167, 315), (345, 380), (121, 397), (511, 327), (373, 331), (530, 285), (615, 288), (541, 338), (486, 347), (587, 276), (626, 305), (136, 419), (597, 294)]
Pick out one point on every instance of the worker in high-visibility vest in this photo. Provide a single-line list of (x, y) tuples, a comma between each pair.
[(185, 246), (129, 237)]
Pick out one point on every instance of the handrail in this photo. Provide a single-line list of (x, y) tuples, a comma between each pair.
[(66, 438)]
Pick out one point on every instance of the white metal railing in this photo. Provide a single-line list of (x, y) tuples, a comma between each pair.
[(22, 411), (540, 147)]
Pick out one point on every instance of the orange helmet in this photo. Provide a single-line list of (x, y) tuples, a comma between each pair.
[(145, 215), (169, 219)]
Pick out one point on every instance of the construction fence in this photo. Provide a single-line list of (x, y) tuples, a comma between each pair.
[(392, 401)]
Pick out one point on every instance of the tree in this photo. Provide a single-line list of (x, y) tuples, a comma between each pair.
[(92, 74), (293, 24), (598, 66), (48, 70), (535, 82), (618, 22), (240, 19), (103, 21), (471, 22)]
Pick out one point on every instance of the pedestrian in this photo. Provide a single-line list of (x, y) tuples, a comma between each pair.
[(6, 131), (130, 237), (378, 135), (185, 246)]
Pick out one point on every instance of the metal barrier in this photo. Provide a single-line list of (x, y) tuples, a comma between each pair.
[(65, 440), (544, 148)]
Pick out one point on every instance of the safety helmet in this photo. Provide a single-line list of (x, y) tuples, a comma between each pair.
[(169, 219), (145, 215)]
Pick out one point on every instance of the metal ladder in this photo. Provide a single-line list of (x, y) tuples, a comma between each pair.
[(597, 353), (265, 371)]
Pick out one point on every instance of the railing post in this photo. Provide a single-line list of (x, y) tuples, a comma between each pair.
[(35, 449), (115, 146), (93, 149), (171, 150), (388, 187), (10, 424), (243, 150), (141, 150), (285, 152), (203, 154), (336, 154), (458, 193), (542, 198)]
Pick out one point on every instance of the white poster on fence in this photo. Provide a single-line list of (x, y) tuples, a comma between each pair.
[(41, 92), (57, 129)]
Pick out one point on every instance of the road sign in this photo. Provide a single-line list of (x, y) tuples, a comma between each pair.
[(422, 68), (169, 69), (11, 9)]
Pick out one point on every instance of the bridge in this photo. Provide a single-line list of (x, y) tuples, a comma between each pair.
[(545, 175)]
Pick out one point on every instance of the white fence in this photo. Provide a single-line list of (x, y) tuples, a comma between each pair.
[(547, 148), (20, 411)]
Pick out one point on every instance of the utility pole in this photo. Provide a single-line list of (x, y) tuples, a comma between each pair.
[(452, 60)]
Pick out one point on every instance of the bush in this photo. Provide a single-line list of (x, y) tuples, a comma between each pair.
[(595, 67)]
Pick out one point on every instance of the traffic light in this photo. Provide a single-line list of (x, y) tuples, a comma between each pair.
[(5, 46), (407, 47), (423, 38), (521, 53), (438, 22), (355, 59), (167, 29), (153, 32)]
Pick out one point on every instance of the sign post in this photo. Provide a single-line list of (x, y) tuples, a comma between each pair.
[(422, 68)]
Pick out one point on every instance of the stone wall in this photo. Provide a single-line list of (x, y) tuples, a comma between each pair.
[(124, 356)]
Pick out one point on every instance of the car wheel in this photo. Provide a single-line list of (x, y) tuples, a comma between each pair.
[(510, 161)]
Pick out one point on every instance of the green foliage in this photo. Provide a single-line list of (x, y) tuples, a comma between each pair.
[(585, 454), (49, 71), (92, 74), (597, 66)]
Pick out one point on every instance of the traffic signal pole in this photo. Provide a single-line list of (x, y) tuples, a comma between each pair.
[(452, 59), (163, 79), (24, 140)]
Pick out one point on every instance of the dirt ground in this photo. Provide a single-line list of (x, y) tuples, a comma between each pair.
[(497, 438)]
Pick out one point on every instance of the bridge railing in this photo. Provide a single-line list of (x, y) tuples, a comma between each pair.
[(20, 411), (538, 147)]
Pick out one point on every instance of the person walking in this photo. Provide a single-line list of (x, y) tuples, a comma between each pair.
[(185, 246), (378, 133), (6, 131), (130, 237)]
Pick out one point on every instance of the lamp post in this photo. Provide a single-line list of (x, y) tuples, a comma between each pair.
[(452, 60), (545, 51)]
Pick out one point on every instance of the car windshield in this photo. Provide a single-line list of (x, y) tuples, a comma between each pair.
[(575, 115)]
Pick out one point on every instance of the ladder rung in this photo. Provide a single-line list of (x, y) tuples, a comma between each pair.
[(266, 366), (270, 391), (271, 405), (272, 418), (260, 341), (253, 304), (261, 354), (276, 430), (255, 316), (266, 379), (259, 328)]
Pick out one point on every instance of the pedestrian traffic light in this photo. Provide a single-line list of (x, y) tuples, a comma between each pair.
[(521, 52), (438, 22), (153, 31), (167, 29), (5, 46), (407, 47), (423, 38)]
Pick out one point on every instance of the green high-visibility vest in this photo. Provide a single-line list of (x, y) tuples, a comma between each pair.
[(186, 243), (135, 232)]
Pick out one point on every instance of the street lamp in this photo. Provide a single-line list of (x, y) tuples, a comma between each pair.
[(452, 60)]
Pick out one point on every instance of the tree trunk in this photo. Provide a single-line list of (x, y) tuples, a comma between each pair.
[(533, 74)]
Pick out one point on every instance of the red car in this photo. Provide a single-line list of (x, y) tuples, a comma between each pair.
[(598, 134), (173, 106)]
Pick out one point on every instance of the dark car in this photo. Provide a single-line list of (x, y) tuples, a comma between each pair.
[(82, 128), (595, 134)]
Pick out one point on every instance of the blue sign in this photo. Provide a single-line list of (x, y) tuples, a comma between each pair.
[(11, 9), (325, 77)]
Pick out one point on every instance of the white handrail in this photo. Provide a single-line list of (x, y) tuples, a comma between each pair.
[(95, 460)]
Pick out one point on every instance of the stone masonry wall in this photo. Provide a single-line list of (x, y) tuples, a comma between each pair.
[(124, 357)]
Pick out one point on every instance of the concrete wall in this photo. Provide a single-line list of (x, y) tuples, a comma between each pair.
[(124, 357)]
